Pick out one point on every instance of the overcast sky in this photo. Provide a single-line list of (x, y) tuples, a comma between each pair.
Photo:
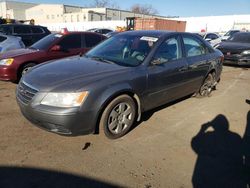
[(175, 7)]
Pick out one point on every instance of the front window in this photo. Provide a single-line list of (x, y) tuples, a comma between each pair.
[(46, 42), (124, 50), (170, 50), (193, 47)]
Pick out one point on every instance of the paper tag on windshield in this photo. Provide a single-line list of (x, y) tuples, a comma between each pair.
[(150, 39)]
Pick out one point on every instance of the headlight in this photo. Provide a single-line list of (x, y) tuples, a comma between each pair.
[(6, 61), (246, 52), (65, 99)]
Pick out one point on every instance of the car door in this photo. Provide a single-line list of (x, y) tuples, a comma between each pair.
[(166, 73), (198, 56), (24, 32), (37, 33), (70, 44)]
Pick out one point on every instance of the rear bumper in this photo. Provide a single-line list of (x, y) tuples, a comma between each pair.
[(7, 73), (69, 121)]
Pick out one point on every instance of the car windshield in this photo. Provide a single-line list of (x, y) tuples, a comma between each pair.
[(229, 33), (240, 37), (45, 42), (123, 50)]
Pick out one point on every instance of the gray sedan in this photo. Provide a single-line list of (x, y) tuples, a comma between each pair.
[(115, 82)]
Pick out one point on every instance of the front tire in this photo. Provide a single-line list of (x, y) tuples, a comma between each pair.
[(23, 70), (118, 117)]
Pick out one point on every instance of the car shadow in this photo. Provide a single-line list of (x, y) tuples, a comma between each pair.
[(145, 116), (13, 177), (223, 157)]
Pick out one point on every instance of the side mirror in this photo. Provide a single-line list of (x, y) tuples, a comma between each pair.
[(159, 61), (56, 48)]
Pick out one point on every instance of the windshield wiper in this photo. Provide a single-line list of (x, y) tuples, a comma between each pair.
[(101, 59)]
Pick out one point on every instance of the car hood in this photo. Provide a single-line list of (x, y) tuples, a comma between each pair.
[(234, 46), (18, 52), (70, 74)]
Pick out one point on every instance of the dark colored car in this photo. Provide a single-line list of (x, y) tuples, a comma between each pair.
[(15, 63), (229, 34), (29, 33), (116, 81), (101, 31), (236, 49)]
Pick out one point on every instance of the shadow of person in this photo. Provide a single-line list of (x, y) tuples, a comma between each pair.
[(219, 162), (246, 149)]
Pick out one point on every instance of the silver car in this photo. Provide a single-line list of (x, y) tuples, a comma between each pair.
[(8, 43)]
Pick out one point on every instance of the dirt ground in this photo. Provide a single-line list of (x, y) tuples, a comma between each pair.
[(159, 152)]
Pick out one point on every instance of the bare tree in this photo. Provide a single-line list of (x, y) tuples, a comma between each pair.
[(105, 3), (143, 9)]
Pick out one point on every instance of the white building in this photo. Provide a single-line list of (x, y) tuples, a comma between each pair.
[(55, 13), (50, 13), (14, 10), (217, 23)]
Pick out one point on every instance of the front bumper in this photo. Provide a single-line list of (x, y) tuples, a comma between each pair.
[(237, 60), (63, 121), (7, 73)]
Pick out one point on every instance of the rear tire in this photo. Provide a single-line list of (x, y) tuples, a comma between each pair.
[(207, 87), (118, 117)]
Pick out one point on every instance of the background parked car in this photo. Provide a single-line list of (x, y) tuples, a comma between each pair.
[(15, 63), (229, 34), (29, 33), (101, 31), (212, 38), (8, 43), (116, 81), (236, 49)]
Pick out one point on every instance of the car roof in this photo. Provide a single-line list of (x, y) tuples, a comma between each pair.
[(150, 33), (22, 25), (78, 32)]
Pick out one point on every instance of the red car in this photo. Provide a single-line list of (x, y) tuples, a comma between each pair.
[(14, 64)]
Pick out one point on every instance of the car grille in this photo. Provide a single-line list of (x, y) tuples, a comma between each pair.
[(25, 92)]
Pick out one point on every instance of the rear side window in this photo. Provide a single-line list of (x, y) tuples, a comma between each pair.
[(194, 47), (6, 30), (2, 38), (92, 40), (71, 41), (169, 50), (22, 30), (37, 30)]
